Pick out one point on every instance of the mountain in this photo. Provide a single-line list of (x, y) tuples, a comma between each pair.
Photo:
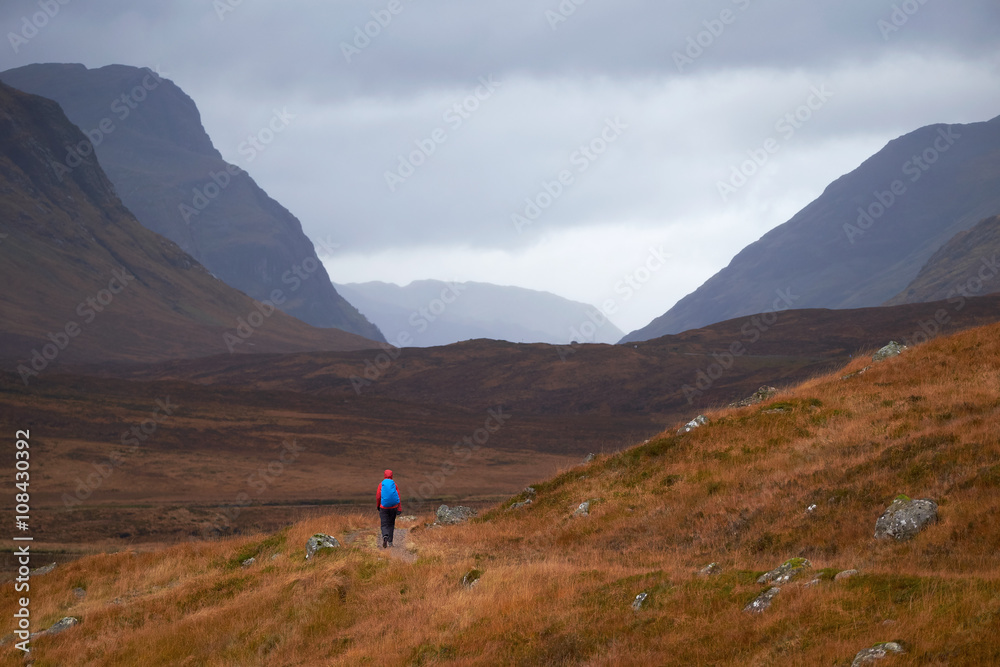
[(430, 312), (864, 239), (85, 282), (964, 266), (148, 136)]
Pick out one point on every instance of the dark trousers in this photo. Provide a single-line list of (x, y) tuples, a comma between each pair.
[(388, 521)]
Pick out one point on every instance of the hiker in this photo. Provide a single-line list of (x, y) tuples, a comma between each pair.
[(388, 507)]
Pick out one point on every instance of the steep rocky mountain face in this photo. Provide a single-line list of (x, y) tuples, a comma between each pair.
[(965, 266), (148, 136), (426, 313), (85, 282), (864, 239)]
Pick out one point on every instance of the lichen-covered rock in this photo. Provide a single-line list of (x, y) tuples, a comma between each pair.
[(698, 421), (639, 600), (905, 517), (709, 570), (786, 572), (893, 349), (62, 625), (453, 515), (877, 652), (583, 509), (760, 603), (318, 542), (472, 578), (758, 396)]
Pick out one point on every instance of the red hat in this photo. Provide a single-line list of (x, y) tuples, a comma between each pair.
[(388, 474)]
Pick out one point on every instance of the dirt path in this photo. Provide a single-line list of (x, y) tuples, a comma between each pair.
[(398, 549)]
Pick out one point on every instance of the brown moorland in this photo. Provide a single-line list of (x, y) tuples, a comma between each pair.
[(558, 589)]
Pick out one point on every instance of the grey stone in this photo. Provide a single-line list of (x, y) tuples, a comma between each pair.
[(62, 625), (590, 457), (709, 570), (760, 603), (318, 542), (583, 509), (453, 515), (472, 578), (45, 569), (408, 517), (904, 518), (893, 349), (248, 562), (846, 574), (877, 652), (530, 491), (698, 421), (786, 572), (639, 600), (79, 592), (523, 503), (758, 396)]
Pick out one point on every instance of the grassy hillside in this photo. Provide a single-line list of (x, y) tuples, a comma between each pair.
[(804, 475)]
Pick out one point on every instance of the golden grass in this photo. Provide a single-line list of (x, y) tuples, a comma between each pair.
[(558, 589)]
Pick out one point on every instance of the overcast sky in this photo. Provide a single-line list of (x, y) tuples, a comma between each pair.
[(666, 97)]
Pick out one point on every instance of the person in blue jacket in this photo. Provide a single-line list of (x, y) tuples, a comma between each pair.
[(389, 506)]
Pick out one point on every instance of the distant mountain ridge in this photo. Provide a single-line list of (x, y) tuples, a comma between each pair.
[(865, 238), (148, 136), (86, 283), (427, 313)]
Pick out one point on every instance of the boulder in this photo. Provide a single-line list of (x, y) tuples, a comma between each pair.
[(709, 570), (250, 561), (45, 569), (590, 457), (758, 396), (453, 515), (523, 503), (472, 577), (893, 349), (639, 600), (583, 509), (846, 574), (79, 592), (760, 603), (698, 421), (62, 625), (904, 518), (877, 652), (318, 542), (786, 572)]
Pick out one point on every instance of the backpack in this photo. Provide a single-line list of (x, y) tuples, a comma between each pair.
[(390, 496)]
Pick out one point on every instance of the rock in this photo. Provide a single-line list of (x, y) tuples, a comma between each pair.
[(700, 420), (904, 518), (877, 652), (249, 561), (583, 509), (815, 582), (79, 593), (893, 349), (472, 577), (43, 570), (519, 505), (590, 457), (453, 515), (530, 491), (408, 517), (709, 570), (861, 372), (639, 600), (758, 396), (846, 574), (63, 624), (318, 542), (760, 603), (786, 572)]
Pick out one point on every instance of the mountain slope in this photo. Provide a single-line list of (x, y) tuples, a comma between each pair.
[(150, 141), (432, 312), (85, 282), (966, 265), (801, 480), (865, 238)]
